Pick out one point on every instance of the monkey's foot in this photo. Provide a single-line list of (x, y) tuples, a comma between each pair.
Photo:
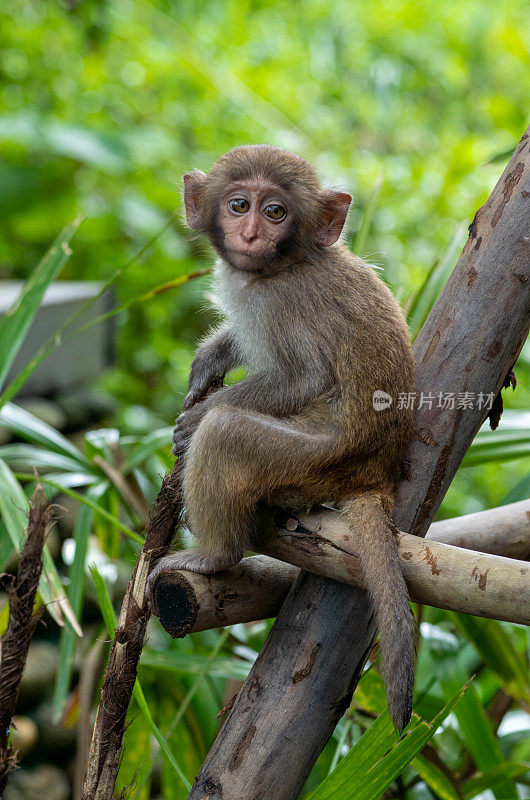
[(192, 560)]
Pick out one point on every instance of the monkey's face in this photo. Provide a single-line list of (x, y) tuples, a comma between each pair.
[(255, 219), (263, 208)]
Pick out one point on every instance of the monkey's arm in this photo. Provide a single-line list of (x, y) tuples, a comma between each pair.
[(213, 359), (275, 395)]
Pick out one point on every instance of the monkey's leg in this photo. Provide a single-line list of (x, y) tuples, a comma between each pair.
[(236, 458)]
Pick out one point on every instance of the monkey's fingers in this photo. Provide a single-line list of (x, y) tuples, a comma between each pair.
[(200, 389), (180, 443), (193, 396)]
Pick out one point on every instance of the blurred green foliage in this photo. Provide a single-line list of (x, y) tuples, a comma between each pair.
[(414, 107), (105, 104)]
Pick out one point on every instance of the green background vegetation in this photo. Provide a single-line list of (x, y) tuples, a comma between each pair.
[(412, 107)]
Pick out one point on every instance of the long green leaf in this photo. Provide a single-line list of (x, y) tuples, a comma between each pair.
[(27, 455), (370, 767), (194, 664), (67, 641), (435, 779), (496, 452), (109, 618), (473, 721), (497, 650), (84, 500), (17, 320), (361, 237), (492, 777), (29, 427), (205, 669), (14, 507), (427, 294)]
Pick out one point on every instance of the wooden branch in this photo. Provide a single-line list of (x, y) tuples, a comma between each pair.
[(120, 675), (21, 590), (315, 652), (446, 577), (437, 574), (502, 531), (253, 589)]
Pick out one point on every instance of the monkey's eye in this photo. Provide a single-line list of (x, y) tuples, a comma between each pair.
[(275, 212), (239, 205)]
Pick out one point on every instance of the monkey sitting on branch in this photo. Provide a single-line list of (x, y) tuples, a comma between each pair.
[(317, 420)]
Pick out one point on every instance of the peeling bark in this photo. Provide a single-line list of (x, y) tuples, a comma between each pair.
[(22, 591), (436, 574)]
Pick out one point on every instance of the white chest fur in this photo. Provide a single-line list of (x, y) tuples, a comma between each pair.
[(245, 307)]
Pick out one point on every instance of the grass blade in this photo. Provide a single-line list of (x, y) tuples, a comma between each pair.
[(96, 507), (361, 237), (17, 321), (68, 640), (497, 650), (14, 507), (492, 777), (370, 767), (193, 663), (29, 427), (428, 293), (473, 722)]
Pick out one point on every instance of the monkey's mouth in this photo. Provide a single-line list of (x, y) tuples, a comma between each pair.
[(253, 260), (248, 255)]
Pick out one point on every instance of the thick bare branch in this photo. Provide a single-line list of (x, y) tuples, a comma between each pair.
[(437, 574), (469, 343), (502, 531)]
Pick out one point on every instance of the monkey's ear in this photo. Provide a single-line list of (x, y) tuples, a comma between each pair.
[(194, 183), (334, 210)]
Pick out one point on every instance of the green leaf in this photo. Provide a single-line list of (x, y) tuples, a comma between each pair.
[(29, 456), (428, 293), (193, 663), (14, 508), (29, 427), (205, 669), (501, 445), (150, 444), (435, 779), (370, 767), (361, 237), (16, 322), (473, 721), (62, 486), (495, 776), (67, 641), (497, 650), (370, 693)]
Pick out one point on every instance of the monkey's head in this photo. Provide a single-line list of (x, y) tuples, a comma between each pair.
[(262, 207)]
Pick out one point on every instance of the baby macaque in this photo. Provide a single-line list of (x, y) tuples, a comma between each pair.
[(319, 334)]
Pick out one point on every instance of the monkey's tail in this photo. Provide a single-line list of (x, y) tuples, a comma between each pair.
[(368, 515)]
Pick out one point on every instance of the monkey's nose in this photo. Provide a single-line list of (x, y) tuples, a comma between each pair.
[(249, 233)]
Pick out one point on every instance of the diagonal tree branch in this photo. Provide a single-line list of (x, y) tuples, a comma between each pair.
[(305, 675), (450, 577)]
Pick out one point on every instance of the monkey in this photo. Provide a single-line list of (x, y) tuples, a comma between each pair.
[(319, 333)]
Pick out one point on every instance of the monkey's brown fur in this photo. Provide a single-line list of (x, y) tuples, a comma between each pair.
[(319, 333)]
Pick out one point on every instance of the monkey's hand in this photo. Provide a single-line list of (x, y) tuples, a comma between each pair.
[(186, 425), (199, 387)]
